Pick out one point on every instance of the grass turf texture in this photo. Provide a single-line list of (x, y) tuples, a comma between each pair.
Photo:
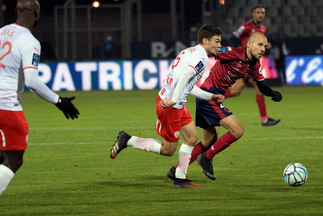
[(67, 169)]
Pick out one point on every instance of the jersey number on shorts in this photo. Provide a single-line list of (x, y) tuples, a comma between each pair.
[(158, 126), (3, 138), (7, 45)]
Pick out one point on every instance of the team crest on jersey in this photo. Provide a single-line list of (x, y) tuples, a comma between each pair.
[(199, 66), (35, 60), (223, 50), (240, 30)]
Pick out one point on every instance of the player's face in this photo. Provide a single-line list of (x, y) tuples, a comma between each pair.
[(259, 15), (213, 44), (257, 48)]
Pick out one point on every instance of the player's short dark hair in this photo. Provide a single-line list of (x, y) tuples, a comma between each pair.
[(258, 6), (207, 31)]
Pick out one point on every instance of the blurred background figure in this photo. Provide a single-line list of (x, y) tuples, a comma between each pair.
[(278, 52), (108, 48)]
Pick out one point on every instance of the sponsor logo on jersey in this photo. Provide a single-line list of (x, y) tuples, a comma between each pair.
[(176, 134), (223, 50), (240, 30), (199, 66), (35, 60)]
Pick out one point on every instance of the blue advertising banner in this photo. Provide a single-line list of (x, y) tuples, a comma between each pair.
[(304, 70), (117, 75), (104, 75)]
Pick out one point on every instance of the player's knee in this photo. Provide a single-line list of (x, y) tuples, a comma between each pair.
[(192, 140), (235, 93), (14, 165), (238, 132), (167, 152)]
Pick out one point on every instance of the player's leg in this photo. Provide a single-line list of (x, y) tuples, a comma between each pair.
[(235, 131), (147, 144), (236, 89), (209, 135), (168, 121), (1, 157), (13, 142), (260, 99), (12, 162), (190, 137)]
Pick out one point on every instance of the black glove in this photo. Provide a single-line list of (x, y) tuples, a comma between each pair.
[(276, 96), (67, 107)]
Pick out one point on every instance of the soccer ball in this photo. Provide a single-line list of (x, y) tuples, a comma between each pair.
[(295, 174)]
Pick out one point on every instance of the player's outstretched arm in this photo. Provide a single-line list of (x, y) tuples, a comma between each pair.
[(266, 90), (67, 107), (39, 88), (204, 95)]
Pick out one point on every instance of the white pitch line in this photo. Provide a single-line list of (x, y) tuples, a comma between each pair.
[(260, 139), (286, 138)]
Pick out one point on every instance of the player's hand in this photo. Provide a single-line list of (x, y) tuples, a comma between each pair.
[(218, 98), (66, 106), (166, 104), (277, 96)]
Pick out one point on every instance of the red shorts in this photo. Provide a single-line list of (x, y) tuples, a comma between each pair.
[(170, 121), (13, 130)]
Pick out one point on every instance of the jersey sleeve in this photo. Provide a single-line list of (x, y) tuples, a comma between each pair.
[(256, 72), (196, 62), (30, 52), (240, 32), (226, 53)]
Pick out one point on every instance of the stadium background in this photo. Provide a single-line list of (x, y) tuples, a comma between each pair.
[(73, 34), (67, 169)]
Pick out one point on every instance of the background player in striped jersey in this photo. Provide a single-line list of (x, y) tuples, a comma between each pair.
[(239, 38), (174, 118), (232, 64), (19, 58)]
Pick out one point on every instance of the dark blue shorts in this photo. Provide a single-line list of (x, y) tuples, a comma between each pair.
[(209, 113), (246, 79)]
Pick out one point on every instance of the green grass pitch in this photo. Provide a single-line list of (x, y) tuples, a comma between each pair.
[(67, 169)]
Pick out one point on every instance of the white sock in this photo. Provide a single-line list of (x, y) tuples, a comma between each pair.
[(146, 144), (5, 177), (184, 157)]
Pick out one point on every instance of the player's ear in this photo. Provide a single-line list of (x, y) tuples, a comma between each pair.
[(205, 40), (37, 13), (248, 44)]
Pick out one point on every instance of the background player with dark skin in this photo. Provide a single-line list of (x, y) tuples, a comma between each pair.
[(239, 38), (24, 47)]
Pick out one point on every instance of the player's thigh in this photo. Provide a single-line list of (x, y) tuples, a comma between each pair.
[(232, 124), (13, 131), (210, 135), (238, 86), (189, 134)]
